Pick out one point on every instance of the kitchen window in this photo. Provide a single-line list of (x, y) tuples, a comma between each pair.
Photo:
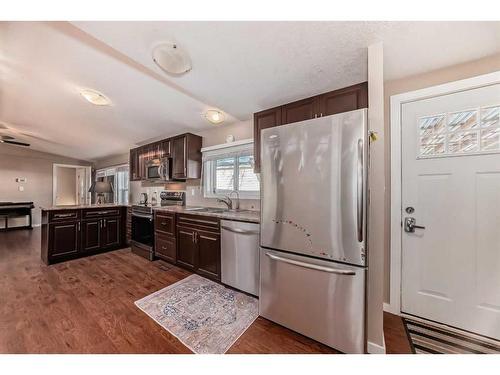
[(228, 168)]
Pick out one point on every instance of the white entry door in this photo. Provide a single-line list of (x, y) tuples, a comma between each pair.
[(451, 186)]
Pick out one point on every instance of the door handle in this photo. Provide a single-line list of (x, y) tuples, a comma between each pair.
[(360, 190), (104, 223), (311, 266), (410, 225)]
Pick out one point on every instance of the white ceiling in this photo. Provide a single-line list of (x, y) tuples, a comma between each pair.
[(238, 67)]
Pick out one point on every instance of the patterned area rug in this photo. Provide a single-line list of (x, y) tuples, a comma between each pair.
[(205, 316), (429, 339)]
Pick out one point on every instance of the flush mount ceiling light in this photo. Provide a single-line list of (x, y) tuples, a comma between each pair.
[(214, 116), (95, 97), (171, 58)]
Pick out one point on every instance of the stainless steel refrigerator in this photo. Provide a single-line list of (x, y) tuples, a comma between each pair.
[(313, 259)]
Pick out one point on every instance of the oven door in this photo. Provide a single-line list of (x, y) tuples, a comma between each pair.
[(143, 230)]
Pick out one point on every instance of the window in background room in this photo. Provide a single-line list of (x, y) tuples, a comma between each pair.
[(118, 176), (228, 168)]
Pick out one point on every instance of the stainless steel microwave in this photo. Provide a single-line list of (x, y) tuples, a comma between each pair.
[(159, 170)]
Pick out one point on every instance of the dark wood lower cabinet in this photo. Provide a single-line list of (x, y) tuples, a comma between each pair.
[(165, 247), (111, 232), (91, 235), (187, 248), (208, 254), (194, 245), (65, 236)]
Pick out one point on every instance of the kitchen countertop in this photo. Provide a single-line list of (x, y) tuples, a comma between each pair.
[(83, 206), (243, 215)]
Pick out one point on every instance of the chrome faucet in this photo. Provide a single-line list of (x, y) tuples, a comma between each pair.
[(237, 199), (227, 201)]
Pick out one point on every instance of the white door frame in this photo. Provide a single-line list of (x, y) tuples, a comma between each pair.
[(54, 179), (397, 102)]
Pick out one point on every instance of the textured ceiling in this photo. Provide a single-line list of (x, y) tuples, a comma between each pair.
[(238, 67)]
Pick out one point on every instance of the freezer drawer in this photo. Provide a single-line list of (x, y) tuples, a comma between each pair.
[(320, 299), (240, 255)]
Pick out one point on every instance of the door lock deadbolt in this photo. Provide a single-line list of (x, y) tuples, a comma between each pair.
[(409, 210)]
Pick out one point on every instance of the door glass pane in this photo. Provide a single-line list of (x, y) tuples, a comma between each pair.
[(224, 174), (431, 125), (463, 142), (248, 180), (431, 138), (490, 139), (432, 145), (490, 117), (462, 120)]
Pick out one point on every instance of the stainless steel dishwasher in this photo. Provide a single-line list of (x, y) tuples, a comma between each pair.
[(240, 255)]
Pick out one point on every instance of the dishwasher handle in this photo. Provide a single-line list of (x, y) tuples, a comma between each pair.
[(240, 231)]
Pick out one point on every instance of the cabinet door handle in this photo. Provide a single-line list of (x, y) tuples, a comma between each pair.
[(193, 237), (164, 248), (79, 227), (104, 223), (100, 223)]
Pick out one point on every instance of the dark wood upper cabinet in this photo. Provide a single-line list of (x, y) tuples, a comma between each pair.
[(342, 100), (301, 110), (186, 157), (179, 148), (263, 120), (135, 173), (185, 151)]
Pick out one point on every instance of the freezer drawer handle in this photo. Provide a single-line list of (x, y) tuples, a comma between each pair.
[(238, 230), (311, 266)]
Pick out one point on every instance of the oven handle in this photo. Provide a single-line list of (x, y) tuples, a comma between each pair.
[(143, 216)]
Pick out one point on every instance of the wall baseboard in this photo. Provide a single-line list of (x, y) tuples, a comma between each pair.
[(373, 348), (390, 309)]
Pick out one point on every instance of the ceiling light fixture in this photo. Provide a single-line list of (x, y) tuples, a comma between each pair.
[(214, 116), (95, 97), (171, 58)]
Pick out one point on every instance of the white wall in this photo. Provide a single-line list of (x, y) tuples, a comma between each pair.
[(37, 168)]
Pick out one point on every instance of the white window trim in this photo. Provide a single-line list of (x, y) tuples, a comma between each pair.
[(209, 171)]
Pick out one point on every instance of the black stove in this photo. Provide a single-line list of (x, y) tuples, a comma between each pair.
[(143, 222)]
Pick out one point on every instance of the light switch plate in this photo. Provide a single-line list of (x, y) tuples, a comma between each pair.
[(21, 188)]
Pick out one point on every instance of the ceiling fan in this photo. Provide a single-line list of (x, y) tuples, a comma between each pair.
[(12, 141), (9, 134)]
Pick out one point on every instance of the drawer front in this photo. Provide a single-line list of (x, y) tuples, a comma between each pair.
[(165, 247), (330, 295), (93, 213), (64, 215), (165, 223), (206, 223)]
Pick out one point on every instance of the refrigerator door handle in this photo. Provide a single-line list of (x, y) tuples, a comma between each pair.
[(359, 186), (311, 266)]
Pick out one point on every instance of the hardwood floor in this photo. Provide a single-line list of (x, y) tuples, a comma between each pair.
[(87, 306)]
